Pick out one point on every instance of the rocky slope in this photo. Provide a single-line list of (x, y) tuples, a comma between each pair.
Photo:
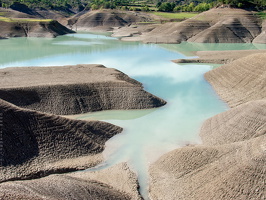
[(240, 81), (218, 25), (36, 144), (230, 164), (261, 38), (218, 57), (106, 19), (235, 171), (237, 124), (73, 89), (31, 28), (117, 182)]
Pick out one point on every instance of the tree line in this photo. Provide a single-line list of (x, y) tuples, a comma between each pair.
[(160, 5)]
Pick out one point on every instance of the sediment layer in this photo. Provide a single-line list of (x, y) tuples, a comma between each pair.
[(237, 124), (218, 25), (235, 171), (219, 57), (37, 144), (32, 28), (73, 89), (241, 81), (117, 182)]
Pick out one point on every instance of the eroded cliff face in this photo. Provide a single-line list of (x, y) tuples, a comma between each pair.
[(74, 89), (32, 28), (230, 163), (235, 171), (116, 182), (261, 38), (36, 144), (240, 81), (218, 25), (237, 124), (106, 20)]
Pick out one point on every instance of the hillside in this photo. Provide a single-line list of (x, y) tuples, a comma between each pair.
[(218, 25), (240, 81), (36, 144), (31, 27), (74, 89)]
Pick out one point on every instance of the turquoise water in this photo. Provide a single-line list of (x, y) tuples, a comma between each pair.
[(147, 134)]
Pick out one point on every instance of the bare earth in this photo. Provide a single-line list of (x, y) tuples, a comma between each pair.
[(218, 57), (230, 164), (76, 89), (115, 183), (218, 25), (233, 172), (241, 81), (37, 144)]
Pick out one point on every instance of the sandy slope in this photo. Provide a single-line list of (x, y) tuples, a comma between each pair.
[(73, 89), (219, 57), (235, 171), (36, 144), (106, 20), (237, 124), (230, 164), (18, 28), (218, 25), (240, 81), (117, 182)]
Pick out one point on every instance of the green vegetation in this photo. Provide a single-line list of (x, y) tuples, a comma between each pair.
[(136, 5), (6, 19), (262, 15), (180, 15)]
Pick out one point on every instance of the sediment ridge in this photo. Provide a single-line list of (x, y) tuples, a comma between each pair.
[(36, 144), (240, 81), (230, 163), (237, 124), (235, 171), (218, 25), (77, 89), (11, 27), (219, 57), (117, 183)]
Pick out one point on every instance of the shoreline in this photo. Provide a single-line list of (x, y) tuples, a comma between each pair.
[(235, 56)]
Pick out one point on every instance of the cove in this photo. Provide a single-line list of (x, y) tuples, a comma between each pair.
[(147, 134)]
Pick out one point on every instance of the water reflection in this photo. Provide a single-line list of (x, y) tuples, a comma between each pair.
[(147, 133)]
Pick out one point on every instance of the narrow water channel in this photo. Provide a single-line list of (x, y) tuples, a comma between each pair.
[(147, 134)]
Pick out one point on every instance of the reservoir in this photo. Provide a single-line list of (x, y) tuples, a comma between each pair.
[(147, 134)]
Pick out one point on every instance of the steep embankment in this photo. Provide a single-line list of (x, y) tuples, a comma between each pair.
[(237, 124), (17, 27), (219, 57), (117, 182), (218, 25), (240, 81), (106, 19), (73, 89), (235, 172), (230, 164), (228, 26), (261, 38), (37, 144)]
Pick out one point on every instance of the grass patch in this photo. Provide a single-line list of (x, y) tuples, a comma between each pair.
[(3, 13), (6, 19), (181, 15), (261, 15)]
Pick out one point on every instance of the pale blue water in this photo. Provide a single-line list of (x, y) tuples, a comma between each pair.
[(147, 134)]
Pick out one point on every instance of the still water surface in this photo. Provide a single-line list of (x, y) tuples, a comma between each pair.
[(147, 133)]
